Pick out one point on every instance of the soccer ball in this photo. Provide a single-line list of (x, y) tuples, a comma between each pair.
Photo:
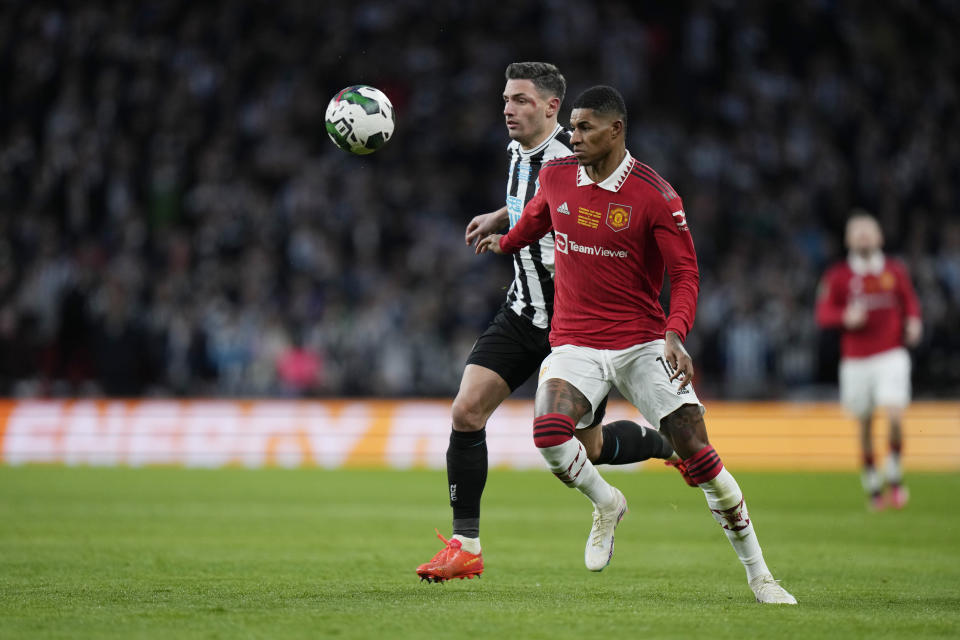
[(360, 119)]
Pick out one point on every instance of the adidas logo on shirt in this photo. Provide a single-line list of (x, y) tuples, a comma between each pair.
[(563, 209)]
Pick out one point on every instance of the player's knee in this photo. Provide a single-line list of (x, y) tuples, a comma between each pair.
[(552, 430), (685, 429), (467, 415)]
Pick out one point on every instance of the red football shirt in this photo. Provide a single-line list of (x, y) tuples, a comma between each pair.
[(613, 240), (886, 292)]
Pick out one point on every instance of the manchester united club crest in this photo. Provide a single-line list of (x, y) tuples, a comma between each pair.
[(887, 281), (618, 216)]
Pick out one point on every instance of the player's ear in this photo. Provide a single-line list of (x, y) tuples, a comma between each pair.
[(616, 129), (553, 106)]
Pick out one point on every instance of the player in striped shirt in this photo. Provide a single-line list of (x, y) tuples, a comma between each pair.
[(618, 225), (516, 342), (870, 298)]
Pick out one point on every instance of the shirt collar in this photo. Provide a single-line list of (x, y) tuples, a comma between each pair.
[(873, 264), (540, 147), (614, 181)]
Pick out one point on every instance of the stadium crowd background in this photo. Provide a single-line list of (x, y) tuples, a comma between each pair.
[(174, 220)]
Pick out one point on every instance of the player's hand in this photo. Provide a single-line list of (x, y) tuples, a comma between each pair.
[(913, 332), (490, 243), (679, 360), (484, 224), (854, 316)]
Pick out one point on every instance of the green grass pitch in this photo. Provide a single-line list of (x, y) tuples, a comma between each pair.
[(174, 553)]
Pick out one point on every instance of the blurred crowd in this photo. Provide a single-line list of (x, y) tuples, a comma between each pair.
[(175, 221)]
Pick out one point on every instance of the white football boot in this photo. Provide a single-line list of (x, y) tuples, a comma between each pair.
[(769, 591), (599, 548)]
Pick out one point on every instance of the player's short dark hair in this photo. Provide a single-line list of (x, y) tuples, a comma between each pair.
[(603, 99), (544, 76)]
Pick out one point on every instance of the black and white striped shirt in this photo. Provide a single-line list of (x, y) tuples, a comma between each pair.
[(531, 294)]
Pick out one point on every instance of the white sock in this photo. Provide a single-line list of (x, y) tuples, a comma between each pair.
[(870, 480), (894, 472), (726, 503), (568, 461), (470, 545)]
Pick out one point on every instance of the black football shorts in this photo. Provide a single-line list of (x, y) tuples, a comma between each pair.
[(512, 347)]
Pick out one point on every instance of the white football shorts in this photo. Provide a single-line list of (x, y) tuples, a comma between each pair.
[(639, 372), (881, 380)]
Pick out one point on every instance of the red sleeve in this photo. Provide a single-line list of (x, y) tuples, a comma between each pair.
[(908, 295), (534, 223), (672, 235), (830, 301)]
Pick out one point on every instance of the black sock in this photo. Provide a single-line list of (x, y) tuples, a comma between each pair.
[(466, 477), (625, 442)]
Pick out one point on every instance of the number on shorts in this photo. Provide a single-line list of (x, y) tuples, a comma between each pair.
[(667, 369)]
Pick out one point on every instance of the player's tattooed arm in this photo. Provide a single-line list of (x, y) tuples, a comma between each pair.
[(484, 224), (559, 396), (679, 360)]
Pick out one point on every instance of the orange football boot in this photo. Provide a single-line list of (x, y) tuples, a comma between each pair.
[(451, 562)]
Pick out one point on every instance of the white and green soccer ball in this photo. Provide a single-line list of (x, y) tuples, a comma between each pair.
[(360, 119)]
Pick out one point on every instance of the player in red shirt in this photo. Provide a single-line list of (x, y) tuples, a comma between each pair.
[(618, 225), (869, 297)]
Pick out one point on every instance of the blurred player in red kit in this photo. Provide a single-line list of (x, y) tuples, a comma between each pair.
[(618, 225), (870, 299)]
